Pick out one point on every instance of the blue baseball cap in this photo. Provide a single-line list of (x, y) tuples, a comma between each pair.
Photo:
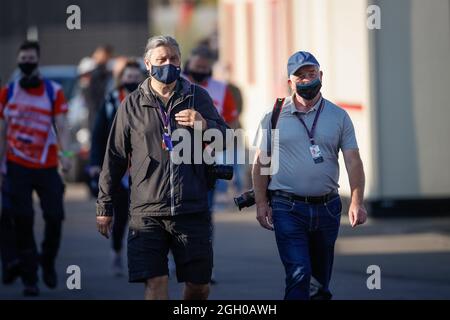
[(300, 59)]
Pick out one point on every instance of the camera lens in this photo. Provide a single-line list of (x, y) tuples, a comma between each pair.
[(247, 199)]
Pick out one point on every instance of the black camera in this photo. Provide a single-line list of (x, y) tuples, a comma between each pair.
[(218, 171), (245, 200)]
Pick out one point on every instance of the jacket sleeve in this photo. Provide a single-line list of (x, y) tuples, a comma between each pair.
[(205, 106), (115, 162), (99, 138)]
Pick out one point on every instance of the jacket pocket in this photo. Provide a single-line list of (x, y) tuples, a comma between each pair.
[(140, 171), (334, 207), (132, 234), (150, 183), (281, 204)]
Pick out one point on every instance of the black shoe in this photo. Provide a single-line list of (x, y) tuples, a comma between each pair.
[(31, 291), (50, 278), (213, 279), (49, 274), (11, 273)]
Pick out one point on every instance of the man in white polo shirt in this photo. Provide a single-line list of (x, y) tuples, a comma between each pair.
[(303, 206)]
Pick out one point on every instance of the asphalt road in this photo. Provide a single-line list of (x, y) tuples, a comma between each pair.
[(413, 256)]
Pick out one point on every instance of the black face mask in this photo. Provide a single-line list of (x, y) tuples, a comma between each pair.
[(199, 76), (310, 90), (27, 68), (167, 73), (130, 87)]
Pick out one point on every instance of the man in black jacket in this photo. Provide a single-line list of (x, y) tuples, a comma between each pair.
[(168, 200)]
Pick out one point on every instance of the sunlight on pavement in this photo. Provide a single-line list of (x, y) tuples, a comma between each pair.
[(385, 244), (76, 192)]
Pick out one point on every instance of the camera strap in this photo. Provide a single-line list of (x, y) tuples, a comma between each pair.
[(273, 123)]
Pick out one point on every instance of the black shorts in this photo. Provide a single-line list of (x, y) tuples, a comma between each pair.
[(188, 236)]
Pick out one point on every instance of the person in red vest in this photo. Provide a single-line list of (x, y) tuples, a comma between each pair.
[(198, 70), (34, 140)]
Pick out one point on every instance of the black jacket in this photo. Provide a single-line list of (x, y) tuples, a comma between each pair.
[(158, 186)]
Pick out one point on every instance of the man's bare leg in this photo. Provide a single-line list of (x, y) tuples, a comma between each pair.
[(194, 291), (157, 288)]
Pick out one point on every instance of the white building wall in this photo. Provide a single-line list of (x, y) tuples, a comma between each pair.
[(335, 32), (430, 57), (412, 66), (397, 78)]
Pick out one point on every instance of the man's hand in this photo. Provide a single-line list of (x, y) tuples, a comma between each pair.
[(357, 214), (187, 118), (66, 164), (264, 216), (104, 225)]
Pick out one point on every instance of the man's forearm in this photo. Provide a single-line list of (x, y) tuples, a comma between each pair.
[(357, 181), (260, 183)]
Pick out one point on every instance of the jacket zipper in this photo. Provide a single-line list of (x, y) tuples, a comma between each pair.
[(171, 181), (171, 168)]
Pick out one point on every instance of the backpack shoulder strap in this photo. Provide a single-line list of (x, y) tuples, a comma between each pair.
[(48, 89), (112, 102), (276, 112), (50, 93), (273, 122), (10, 92)]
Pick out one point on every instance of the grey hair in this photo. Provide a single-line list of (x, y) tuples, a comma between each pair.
[(157, 41)]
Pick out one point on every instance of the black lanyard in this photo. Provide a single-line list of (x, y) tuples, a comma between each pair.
[(313, 128)]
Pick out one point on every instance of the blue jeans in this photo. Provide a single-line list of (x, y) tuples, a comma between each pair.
[(305, 235)]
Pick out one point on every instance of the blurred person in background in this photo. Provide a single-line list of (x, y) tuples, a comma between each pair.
[(80, 113), (198, 69), (100, 81), (242, 172), (128, 80), (34, 139), (85, 68), (222, 72), (117, 65), (305, 206)]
